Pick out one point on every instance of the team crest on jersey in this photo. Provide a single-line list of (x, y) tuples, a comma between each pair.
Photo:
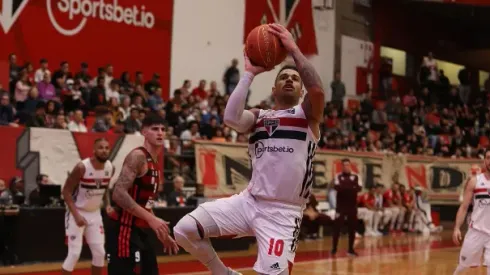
[(106, 173), (271, 125), (98, 182)]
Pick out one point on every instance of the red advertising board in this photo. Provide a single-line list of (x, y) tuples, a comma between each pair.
[(470, 2), (132, 35)]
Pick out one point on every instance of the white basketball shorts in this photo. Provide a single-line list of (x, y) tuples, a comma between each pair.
[(475, 242), (275, 225), (93, 232)]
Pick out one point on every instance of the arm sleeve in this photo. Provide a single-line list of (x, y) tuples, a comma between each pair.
[(235, 114)]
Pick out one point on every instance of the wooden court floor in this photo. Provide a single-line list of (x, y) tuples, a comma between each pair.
[(407, 254)]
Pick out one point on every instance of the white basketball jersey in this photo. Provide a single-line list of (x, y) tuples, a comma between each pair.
[(93, 185), (480, 217), (281, 148)]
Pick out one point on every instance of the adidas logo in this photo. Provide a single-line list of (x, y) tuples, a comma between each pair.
[(275, 266)]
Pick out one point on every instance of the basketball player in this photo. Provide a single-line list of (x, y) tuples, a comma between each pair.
[(423, 213), (347, 185), (408, 204), (392, 201), (129, 250), (477, 239), (83, 193), (384, 214), (368, 213), (281, 147)]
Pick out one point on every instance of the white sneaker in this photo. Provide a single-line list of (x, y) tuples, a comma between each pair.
[(358, 236), (378, 234)]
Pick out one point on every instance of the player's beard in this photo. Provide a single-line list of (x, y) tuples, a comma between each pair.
[(101, 159)]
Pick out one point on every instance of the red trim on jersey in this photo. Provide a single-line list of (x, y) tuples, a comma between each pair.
[(85, 180), (480, 190), (287, 121)]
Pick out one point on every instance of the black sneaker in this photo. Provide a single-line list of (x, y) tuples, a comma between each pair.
[(352, 253), (333, 252)]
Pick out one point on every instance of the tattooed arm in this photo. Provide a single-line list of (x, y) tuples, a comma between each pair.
[(314, 101), (132, 167)]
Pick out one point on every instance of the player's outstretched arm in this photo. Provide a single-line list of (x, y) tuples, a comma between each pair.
[(235, 114), (70, 184), (133, 165), (314, 101), (463, 209)]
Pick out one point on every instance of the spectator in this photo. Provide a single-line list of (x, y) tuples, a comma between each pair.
[(98, 95), (43, 69), (133, 124), (60, 76), (72, 95), (77, 124), (16, 188), (431, 64), (155, 102), (125, 107), (153, 85), (177, 197), (38, 119), (6, 111), (118, 128), (379, 118), (409, 99), (464, 77), (139, 79), (191, 133), (231, 77), (14, 71), (126, 84), (47, 91), (35, 197), (21, 91), (109, 76), (113, 91), (338, 92), (103, 120), (32, 101), (83, 76), (29, 69), (200, 91)]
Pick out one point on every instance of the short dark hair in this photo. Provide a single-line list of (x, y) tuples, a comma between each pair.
[(153, 119), (100, 139), (345, 160), (286, 67)]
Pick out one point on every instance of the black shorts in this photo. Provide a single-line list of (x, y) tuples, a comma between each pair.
[(129, 251)]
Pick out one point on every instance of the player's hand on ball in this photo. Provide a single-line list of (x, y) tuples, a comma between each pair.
[(170, 246), (79, 220), (457, 237), (249, 67), (284, 35)]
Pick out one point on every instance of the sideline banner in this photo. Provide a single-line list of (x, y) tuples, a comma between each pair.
[(129, 34), (224, 170)]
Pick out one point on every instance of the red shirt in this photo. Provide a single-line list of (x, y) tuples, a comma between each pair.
[(367, 200), (407, 198), (390, 196), (199, 93)]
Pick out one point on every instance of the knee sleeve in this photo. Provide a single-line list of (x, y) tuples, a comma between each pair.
[(74, 250), (189, 224), (186, 231), (98, 254)]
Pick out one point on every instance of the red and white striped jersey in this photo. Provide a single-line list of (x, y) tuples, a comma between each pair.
[(90, 192), (281, 149), (480, 217)]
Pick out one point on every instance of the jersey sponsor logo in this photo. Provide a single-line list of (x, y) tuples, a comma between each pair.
[(291, 111), (271, 125), (94, 193), (260, 149), (98, 182)]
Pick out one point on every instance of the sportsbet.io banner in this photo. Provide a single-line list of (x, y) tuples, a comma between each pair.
[(224, 169)]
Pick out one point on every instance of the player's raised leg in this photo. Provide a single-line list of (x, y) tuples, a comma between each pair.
[(277, 230), (223, 217)]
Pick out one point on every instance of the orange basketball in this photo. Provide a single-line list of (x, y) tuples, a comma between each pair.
[(263, 48)]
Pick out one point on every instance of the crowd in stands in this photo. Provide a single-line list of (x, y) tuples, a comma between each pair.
[(436, 119)]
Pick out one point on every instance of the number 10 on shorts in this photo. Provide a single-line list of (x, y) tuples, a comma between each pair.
[(276, 247)]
